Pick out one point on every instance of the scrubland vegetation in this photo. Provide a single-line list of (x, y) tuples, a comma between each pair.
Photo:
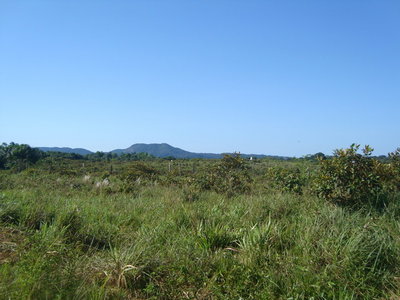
[(147, 228)]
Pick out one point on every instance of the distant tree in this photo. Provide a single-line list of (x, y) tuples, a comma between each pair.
[(169, 158), (136, 156), (18, 156), (3, 155), (55, 154), (96, 156), (109, 156), (316, 156), (319, 155)]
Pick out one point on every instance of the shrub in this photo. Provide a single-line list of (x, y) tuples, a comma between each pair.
[(230, 177), (395, 168), (129, 187), (173, 178), (139, 171), (286, 180), (349, 178)]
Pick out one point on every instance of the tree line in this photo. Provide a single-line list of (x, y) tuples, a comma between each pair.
[(21, 156)]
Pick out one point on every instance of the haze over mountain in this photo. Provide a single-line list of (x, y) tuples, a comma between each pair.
[(159, 150)]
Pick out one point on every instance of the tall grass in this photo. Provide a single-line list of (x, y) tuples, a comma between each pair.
[(79, 242)]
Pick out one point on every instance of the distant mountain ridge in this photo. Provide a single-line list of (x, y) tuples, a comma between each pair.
[(164, 150), (159, 150), (80, 151)]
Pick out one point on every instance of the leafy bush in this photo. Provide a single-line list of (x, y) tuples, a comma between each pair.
[(134, 176), (230, 177), (173, 178), (349, 178), (395, 167), (286, 180), (139, 171), (129, 187)]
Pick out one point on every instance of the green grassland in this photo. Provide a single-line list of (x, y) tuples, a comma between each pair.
[(197, 229)]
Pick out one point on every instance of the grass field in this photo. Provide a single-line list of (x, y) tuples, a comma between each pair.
[(73, 230)]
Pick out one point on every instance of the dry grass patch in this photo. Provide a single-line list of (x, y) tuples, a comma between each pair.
[(10, 240)]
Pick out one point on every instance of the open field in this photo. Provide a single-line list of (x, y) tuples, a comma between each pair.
[(191, 229)]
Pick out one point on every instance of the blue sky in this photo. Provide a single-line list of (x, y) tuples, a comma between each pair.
[(271, 77)]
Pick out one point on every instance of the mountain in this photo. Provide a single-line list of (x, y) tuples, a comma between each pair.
[(165, 150), (80, 151)]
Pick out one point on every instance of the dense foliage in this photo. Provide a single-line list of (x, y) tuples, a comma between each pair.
[(229, 176), (286, 179), (350, 178), (17, 156), (394, 166)]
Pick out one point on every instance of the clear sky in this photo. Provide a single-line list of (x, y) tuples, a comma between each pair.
[(271, 77)]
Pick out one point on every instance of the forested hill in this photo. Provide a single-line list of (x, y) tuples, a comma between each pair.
[(164, 150), (80, 151)]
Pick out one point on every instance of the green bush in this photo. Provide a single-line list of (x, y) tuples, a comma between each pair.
[(230, 177), (395, 168), (286, 180), (173, 178), (138, 172), (349, 178)]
